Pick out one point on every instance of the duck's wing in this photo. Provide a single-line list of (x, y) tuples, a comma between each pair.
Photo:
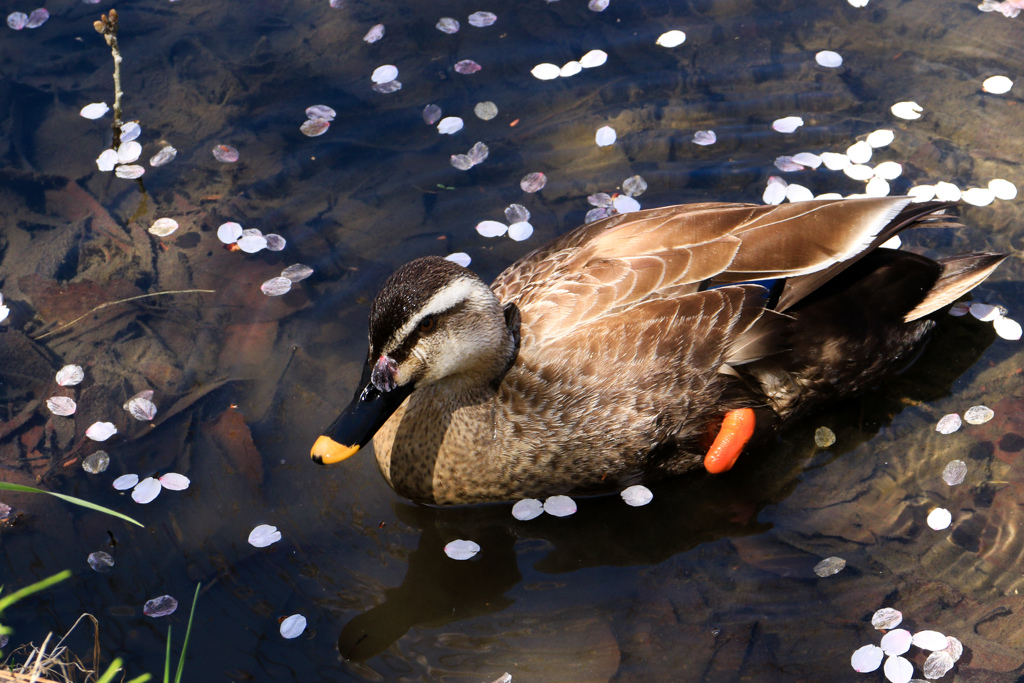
[(603, 269)]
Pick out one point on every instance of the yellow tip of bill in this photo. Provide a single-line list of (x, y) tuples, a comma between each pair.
[(327, 451)]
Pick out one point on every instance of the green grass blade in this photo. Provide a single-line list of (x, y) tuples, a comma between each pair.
[(111, 671), (4, 486), (140, 679), (167, 658), (8, 600), (188, 632)]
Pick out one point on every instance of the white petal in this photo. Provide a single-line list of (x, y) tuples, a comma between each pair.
[(922, 193), (264, 535), (172, 481), (930, 640), (893, 242), (449, 125), (384, 74), (276, 286), (907, 110), (953, 474), (1007, 328), (798, 193), (859, 172), (997, 85), (829, 59), (128, 152), (126, 481), (491, 228), (460, 257), (896, 642), (129, 172), (833, 195), (858, 3), (877, 187), (250, 244), (605, 136), (948, 424), (859, 152), (461, 549), (937, 665), (624, 204), (546, 72), (898, 670), (94, 110), (570, 69), (774, 193), (880, 138), (527, 509), (164, 156), (939, 519), (146, 490), (979, 196), (70, 375), (229, 233), (107, 160), (705, 137), (293, 626), (520, 231), (807, 159), (889, 170), (560, 506), (593, 58), (130, 131), (62, 405), (297, 272), (671, 39), (829, 566), (787, 124), (867, 659), (142, 409), (162, 227), (834, 161), (947, 192), (1002, 189), (985, 312), (374, 34), (101, 431), (978, 415), (637, 495), (886, 618)]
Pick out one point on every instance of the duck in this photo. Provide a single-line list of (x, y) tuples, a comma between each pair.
[(640, 346)]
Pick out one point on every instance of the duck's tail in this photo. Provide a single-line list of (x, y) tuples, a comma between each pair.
[(960, 274)]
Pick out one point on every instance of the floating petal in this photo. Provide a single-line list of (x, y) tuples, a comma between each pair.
[(70, 375), (130, 131), (460, 257), (546, 71), (172, 481), (297, 272), (955, 648), (94, 110), (164, 156), (787, 124), (775, 193), (520, 231), (985, 312), (600, 199), (18, 21), (126, 481), (462, 162), (959, 309), (130, 172), (461, 549), (907, 110), (798, 193), (101, 431), (481, 19), (467, 66), (560, 506), (787, 165), (673, 38), (533, 182), (141, 408), (937, 665), (829, 566), (979, 196), (37, 18), (898, 670), (146, 491), (606, 135), (275, 242), (859, 152), (1007, 328), (939, 519), (96, 463), (948, 424), (229, 232), (225, 154), (877, 187), (889, 170), (834, 161), (634, 186), (450, 125), (859, 172), (485, 111), (276, 286), (160, 607), (516, 212), (637, 495), (263, 535), (384, 74), (100, 561), (828, 58), (374, 34), (1002, 189), (930, 640), (431, 114), (314, 127), (107, 160), (807, 159), (880, 138), (824, 437), (593, 58), (705, 137), (597, 5), (293, 626), (867, 659), (885, 619), (896, 642), (162, 227), (527, 509), (448, 25), (997, 85), (128, 152), (922, 193), (63, 406), (478, 152), (625, 204), (570, 69), (978, 415), (491, 228)]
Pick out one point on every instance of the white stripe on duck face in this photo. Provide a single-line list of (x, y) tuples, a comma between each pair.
[(453, 293)]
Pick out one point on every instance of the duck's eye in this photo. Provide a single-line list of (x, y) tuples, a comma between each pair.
[(427, 324)]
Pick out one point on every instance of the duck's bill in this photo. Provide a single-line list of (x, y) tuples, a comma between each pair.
[(368, 411)]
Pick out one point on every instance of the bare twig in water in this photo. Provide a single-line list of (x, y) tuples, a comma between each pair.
[(121, 301), (107, 27)]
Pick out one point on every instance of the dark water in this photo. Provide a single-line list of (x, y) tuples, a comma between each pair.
[(713, 580)]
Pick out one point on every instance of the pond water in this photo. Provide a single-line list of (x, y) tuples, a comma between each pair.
[(714, 579)]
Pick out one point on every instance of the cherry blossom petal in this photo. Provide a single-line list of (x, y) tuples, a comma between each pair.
[(520, 231), (94, 110), (130, 172), (606, 135), (297, 272), (448, 25), (1002, 189), (527, 509), (63, 406), (637, 495), (882, 137), (276, 286), (461, 549), (481, 19), (829, 566), (229, 232), (314, 127), (886, 618), (898, 670), (101, 431), (374, 34), (491, 228), (867, 659), (126, 481), (979, 196), (130, 131), (546, 71), (450, 125), (146, 491), (560, 506), (907, 110), (948, 424), (164, 156), (593, 58), (160, 607), (896, 642), (384, 74), (939, 519), (263, 535), (997, 85), (172, 481), (705, 137), (460, 257), (829, 59), (787, 124), (533, 182), (225, 154), (293, 626), (1007, 328), (107, 160), (162, 227), (673, 38), (70, 375)]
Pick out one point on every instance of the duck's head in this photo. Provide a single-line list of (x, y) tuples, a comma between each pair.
[(433, 321)]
